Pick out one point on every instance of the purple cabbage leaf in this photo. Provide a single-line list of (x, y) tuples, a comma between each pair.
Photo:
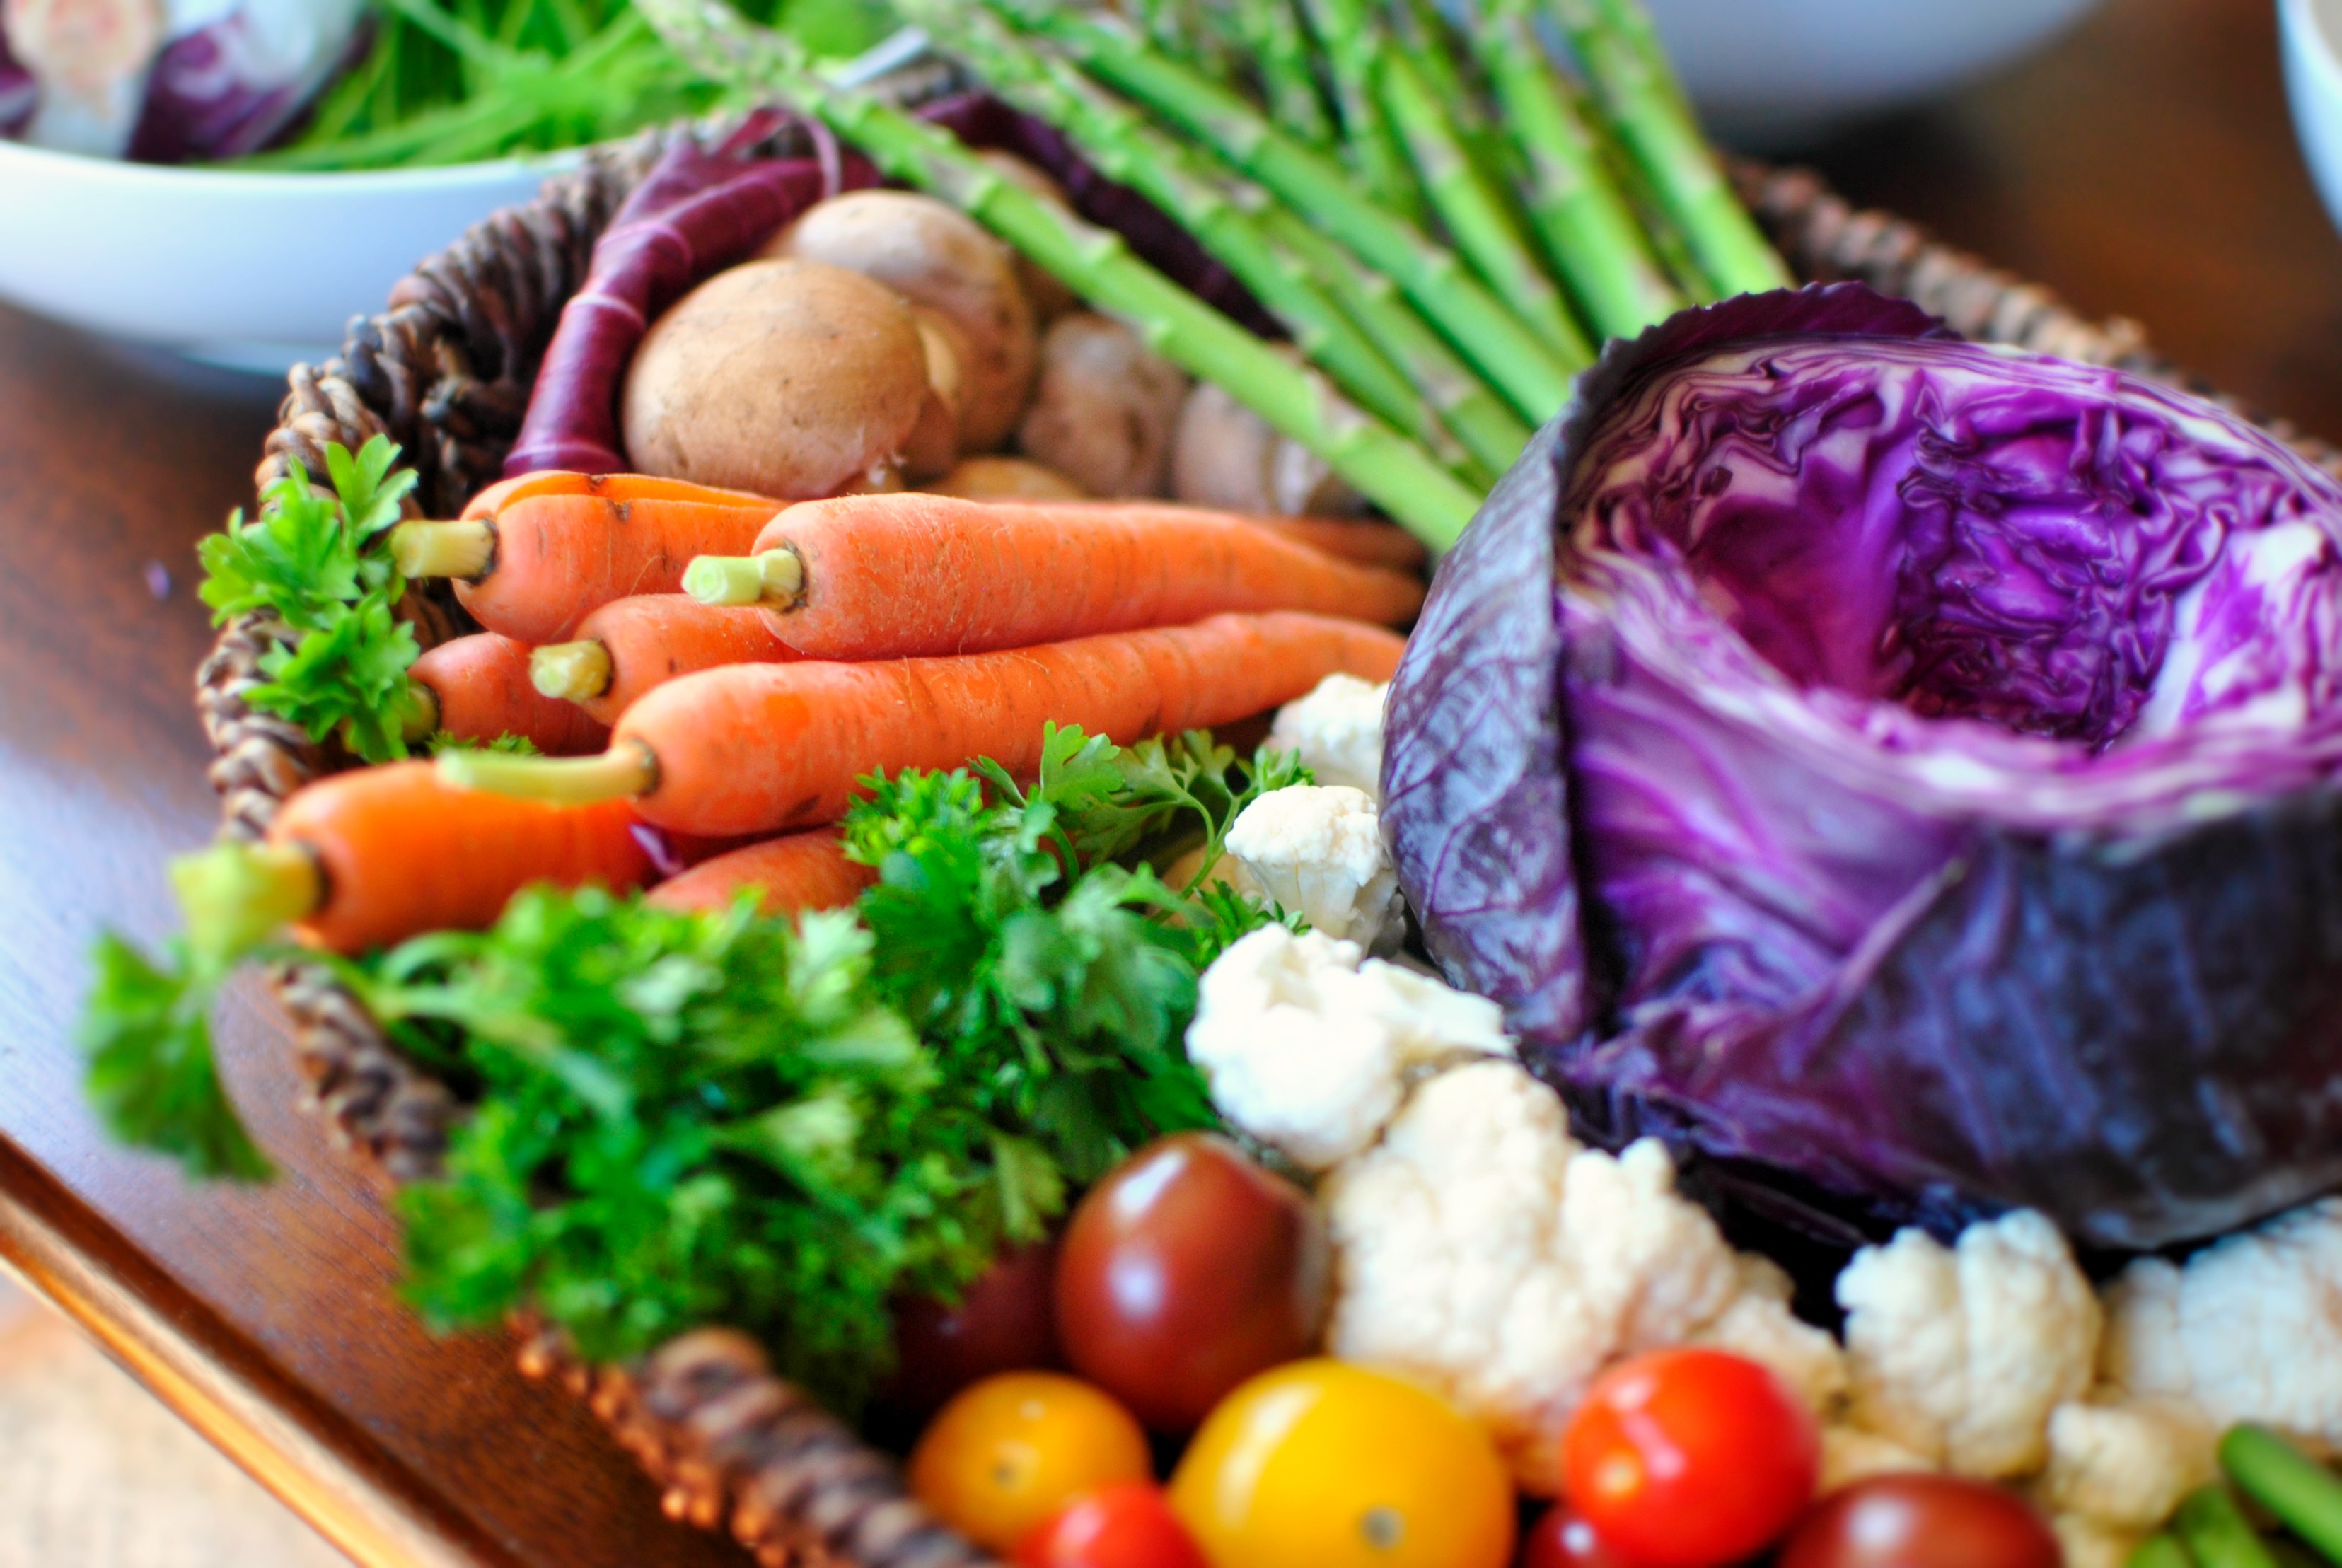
[(1901, 774)]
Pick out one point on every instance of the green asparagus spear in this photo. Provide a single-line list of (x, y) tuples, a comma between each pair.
[(1125, 147), (1270, 33), (1588, 229), (1495, 340), (1468, 406), (2286, 1482), (2216, 1532), (1384, 466), (2161, 1551), (1474, 214), (1371, 144), (1651, 118)]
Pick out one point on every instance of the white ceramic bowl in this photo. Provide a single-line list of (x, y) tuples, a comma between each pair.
[(2312, 80), (251, 270), (1768, 73)]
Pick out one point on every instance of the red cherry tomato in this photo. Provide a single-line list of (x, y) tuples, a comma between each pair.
[(1920, 1522), (1006, 1322), (1186, 1271), (1125, 1526), (1689, 1458), (1562, 1539)]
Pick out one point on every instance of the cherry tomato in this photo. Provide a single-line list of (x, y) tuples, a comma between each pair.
[(1560, 1539), (1689, 1458), (1005, 1322), (1322, 1465), (1184, 1272), (1129, 1525), (1013, 1450), (1920, 1522)]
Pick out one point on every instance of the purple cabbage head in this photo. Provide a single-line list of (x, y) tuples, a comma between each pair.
[(1901, 774)]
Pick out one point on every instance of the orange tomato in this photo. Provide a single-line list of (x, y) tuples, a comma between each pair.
[(1323, 1464), (1011, 1451)]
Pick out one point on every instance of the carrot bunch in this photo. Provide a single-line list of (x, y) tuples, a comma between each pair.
[(710, 667)]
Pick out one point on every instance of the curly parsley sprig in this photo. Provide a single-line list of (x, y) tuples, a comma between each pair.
[(314, 560)]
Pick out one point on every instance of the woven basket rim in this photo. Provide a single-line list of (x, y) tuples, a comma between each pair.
[(443, 371)]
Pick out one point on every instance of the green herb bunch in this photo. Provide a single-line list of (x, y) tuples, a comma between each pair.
[(314, 561)]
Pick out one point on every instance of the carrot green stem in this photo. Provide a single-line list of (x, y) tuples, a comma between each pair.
[(2161, 1551), (443, 549), (774, 578), (1396, 472), (625, 770), (2286, 1482), (417, 712), (238, 895), (571, 672), (2216, 1533)]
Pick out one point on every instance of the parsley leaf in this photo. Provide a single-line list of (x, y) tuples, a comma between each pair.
[(151, 1072), (318, 561)]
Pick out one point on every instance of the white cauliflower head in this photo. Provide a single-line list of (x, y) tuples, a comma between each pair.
[(1307, 1043), (1477, 1247), (1339, 729), (2249, 1330), (1318, 851), (1959, 1354), (2127, 1466)]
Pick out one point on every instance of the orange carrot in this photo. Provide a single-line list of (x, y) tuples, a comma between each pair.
[(630, 645), (397, 851), (545, 561), (610, 487), (480, 689), (916, 575), (761, 748), (796, 871), (1352, 539)]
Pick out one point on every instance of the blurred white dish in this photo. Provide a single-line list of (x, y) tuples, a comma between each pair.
[(1770, 73), (256, 271), (2312, 80)]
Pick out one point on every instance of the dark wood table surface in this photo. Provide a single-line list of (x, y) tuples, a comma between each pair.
[(2145, 168)]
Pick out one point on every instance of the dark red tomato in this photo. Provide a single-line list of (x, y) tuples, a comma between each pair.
[(1184, 1272), (1560, 1539), (1920, 1522), (1128, 1525), (1005, 1322), (1689, 1458)]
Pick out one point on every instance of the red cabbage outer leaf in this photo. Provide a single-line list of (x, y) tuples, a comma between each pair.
[(698, 210), (1914, 795), (242, 82)]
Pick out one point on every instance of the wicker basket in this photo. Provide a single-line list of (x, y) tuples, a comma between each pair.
[(445, 372)]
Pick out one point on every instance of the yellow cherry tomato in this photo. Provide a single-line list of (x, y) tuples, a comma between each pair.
[(1323, 1464), (1008, 1452)]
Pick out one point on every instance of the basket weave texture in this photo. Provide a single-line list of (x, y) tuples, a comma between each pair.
[(445, 372)]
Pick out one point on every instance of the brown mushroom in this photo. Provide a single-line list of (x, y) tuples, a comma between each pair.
[(1104, 409), (1051, 299), (1006, 479), (1228, 456), (787, 378), (934, 444), (933, 255)]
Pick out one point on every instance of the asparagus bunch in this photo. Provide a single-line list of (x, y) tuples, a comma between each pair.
[(1444, 229)]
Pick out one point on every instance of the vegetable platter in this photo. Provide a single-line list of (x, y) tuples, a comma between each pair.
[(948, 1019)]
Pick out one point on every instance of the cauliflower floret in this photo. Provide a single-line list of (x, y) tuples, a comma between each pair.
[(1850, 1455), (1307, 1043), (2249, 1330), (2127, 1466), (1318, 850), (1478, 1248), (1338, 731), (1961, 1355), (1759, 1326), (2087, 1543)]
